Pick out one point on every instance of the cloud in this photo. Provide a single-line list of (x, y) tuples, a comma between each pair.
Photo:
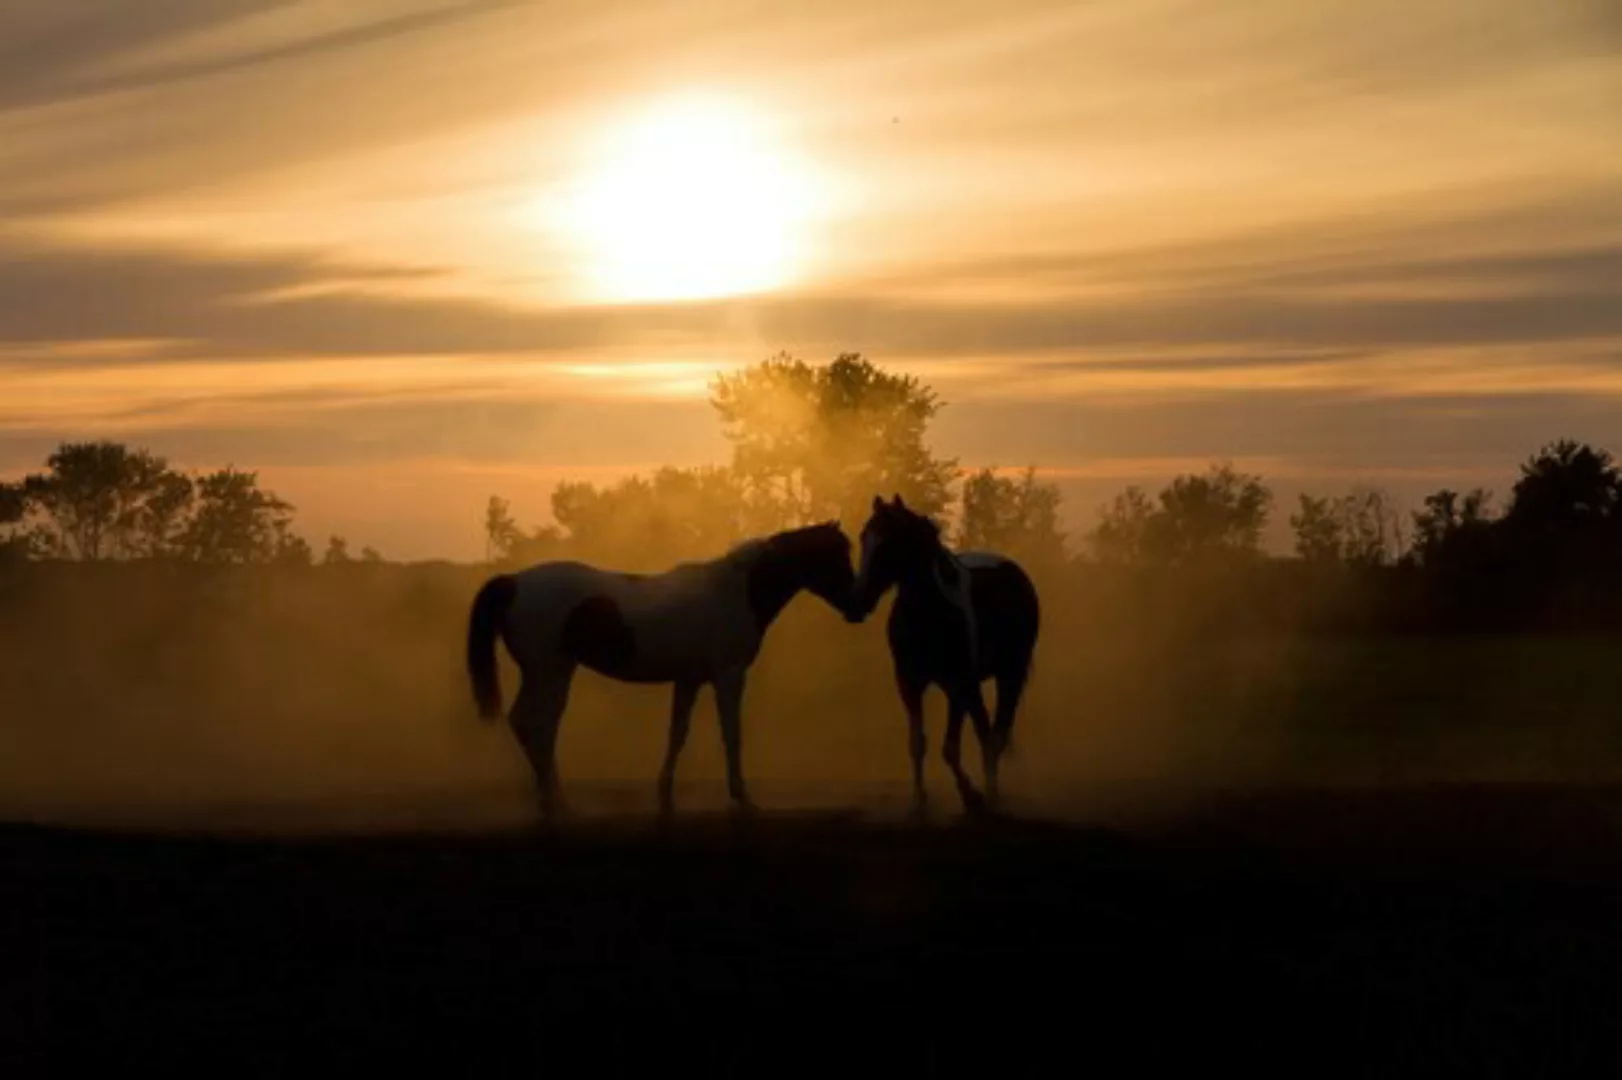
[(220, 305), (59, 62)]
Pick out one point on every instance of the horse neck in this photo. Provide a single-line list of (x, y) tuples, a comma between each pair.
[(774, 580), (920, 579)]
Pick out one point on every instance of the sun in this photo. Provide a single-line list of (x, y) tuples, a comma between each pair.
[(691, 198)]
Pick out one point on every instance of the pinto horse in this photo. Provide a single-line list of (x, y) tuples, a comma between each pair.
[(695, 624), (958, 619)]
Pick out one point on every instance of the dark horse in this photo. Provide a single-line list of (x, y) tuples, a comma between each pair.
[(958, 619)]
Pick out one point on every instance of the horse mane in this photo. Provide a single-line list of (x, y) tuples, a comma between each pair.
[(783, 540)]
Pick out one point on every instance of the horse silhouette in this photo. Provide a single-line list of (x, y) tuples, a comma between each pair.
[(695, 624), (958, 619)]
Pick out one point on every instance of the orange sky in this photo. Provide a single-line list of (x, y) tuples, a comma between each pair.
[(399, 255)]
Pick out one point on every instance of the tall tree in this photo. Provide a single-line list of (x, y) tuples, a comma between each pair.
[(337, 552), (1122, 533), (1360, 528), (235, 520), (14, 539), (1196, 518), (103, 500), (501, 532), (164, 514), (1452, 530), (290, 548), (1317, 530), (819, 442), (648, 522), (1218, 514), (1018, 517), (1565, 512)]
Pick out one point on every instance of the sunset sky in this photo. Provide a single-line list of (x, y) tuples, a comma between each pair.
[(398, 256)]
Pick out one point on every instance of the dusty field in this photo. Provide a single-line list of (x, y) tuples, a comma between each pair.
[(1352, 931)]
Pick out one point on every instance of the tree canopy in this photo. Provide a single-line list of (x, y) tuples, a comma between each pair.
[(810, 443)]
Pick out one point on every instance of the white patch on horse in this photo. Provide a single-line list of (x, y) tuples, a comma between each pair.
[(680, 628)]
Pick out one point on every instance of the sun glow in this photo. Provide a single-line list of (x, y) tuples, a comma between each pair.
[(694, 198)]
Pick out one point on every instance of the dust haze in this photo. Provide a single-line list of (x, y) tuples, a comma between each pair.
[(140, 694), (150, 694)]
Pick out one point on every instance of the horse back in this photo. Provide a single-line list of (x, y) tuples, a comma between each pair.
[(1005, 601), (636, 627), (927, 633)]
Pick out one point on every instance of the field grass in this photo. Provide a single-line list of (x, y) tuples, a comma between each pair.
[(1392, 932)]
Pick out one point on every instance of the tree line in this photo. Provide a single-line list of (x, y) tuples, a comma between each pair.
[(812, 442), (103, 500)]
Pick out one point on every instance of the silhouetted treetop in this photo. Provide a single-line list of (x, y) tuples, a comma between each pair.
[(1566, 509), (810, 443), (647, 522), (235, 521), (1453, 530), (1016, 517), (1360, 528), (1197, 519), (99, 500)]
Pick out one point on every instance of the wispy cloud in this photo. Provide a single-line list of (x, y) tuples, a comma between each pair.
[(1378, 235)]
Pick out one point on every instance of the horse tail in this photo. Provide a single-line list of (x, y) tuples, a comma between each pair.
[(487, 620), (1011, 688), (1013, 684)]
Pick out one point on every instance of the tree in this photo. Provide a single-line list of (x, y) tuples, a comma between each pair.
[(1360, 528), (1317, 530), (501, 532), (235, 521), (103, 500), (337, 552), (1122, 533), (164, 513), (649, 522), (1451, 531), (1220, 514), (1018, 517), (1565, 511), (291, 548), (1196, 519), (819, 442), (370, 554), (14, 540)]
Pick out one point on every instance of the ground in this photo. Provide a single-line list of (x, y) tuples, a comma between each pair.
[(1409, 930)]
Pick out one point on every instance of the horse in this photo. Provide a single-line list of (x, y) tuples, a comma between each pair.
[(698, 623), (958, 619)]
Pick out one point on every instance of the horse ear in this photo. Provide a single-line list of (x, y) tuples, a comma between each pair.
[(878, 504), (899, 504)]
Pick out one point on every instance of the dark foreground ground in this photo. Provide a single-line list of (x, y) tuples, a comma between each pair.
[(1411, 931)]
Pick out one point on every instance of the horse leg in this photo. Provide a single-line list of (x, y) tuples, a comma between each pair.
[(681, 715), (971, 700), (542, 697), (729, 704), (912, 699), (1010, 687), (952, 751), (986, 738)]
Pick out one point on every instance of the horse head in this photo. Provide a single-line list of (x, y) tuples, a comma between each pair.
[(895, 542)]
